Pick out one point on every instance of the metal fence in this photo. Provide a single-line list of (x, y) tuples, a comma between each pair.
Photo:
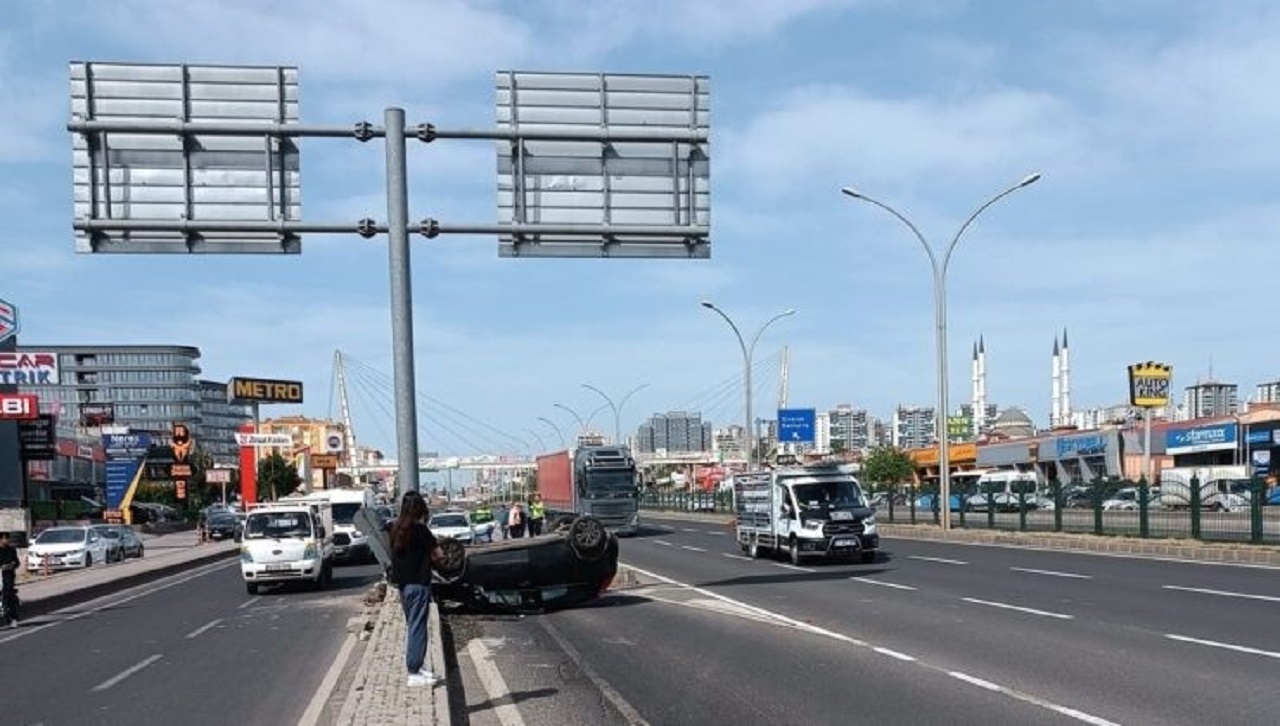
[(1101, 507)]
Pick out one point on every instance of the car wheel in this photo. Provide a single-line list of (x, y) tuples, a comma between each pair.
[(454, 563), (141, 550), (251, 588), (753, 548), (588, 538), (793, 551)]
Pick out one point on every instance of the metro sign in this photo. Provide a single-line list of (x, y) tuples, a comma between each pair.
[(8, 321), (19, 406)]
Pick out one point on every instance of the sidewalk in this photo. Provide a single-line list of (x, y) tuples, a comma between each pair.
[(378, 695), (164, 554)]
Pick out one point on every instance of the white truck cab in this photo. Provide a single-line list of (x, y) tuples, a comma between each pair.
[(806, 511), (287, 541), (350, 543)]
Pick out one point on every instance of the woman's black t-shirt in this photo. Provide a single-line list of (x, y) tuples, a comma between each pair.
[(413, 565)]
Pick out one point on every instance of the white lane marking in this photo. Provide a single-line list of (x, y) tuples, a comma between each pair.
[(943, 560), (1019, 608), (980, 683), (794, 567), (203, 629), (882, 583), (718, 534), (894, 654), (107, 605), (248, 603), (735, 557), (126, 673), (1224, 593), (315, 709), (841, 637), (628, 711), (491, 678), (663, 542), (1051, 573), (1224, 646), (688, 529), (691, 548)]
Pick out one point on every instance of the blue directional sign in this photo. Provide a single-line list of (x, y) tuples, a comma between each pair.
[(125, 454), (796, 425)]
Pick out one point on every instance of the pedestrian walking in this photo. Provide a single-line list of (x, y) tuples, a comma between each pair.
[(8, 581), (515, 521), (537, 515), (414, 550)]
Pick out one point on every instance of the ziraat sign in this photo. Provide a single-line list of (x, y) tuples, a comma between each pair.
[(19, 406), (28, 369), (264, 390)]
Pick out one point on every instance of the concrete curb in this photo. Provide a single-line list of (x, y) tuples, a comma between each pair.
[(50, 603), (377, 694), (1193, 550)]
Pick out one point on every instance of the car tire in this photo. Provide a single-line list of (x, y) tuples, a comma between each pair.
[(141, 550), (454, 563), (88, 560), (793, 552), (753, 548), (588, 538), (251, 588)]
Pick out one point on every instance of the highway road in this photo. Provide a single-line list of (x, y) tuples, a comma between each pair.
[(934, 633), (189, 649)]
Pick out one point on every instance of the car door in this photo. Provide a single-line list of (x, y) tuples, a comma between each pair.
[(97, 545)]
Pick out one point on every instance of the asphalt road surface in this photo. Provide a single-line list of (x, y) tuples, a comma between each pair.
[(190, 649), (934, 633)]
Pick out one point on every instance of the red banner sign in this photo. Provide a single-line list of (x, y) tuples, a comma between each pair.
[(19, 406)]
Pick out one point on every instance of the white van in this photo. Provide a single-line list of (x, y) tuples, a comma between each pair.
[(1004, 492), (287, 541)]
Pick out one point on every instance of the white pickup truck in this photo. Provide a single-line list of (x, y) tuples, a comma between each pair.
[(287, 542), (807, 512)]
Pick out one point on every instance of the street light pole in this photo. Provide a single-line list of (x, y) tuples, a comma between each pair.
[(617, 410), (582, 425), (747, 353), (554, 428), (940, 324), (542, 445)]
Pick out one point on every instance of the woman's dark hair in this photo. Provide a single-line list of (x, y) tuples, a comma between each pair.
[(413, 508)]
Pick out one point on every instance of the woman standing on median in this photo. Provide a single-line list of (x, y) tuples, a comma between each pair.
[(414, 549)]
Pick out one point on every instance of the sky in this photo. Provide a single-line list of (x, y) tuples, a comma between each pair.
[(1152, 122)]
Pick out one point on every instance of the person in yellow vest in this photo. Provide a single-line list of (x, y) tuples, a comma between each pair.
[(537, 515)]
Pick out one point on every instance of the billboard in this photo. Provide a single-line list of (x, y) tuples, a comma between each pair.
[(29, 368), (1220, 437), (97, 414), (19, 406), (38, 438), (647, 176), (264, 390), (131, 164), (1073, 446), (1149, 384), (125, 455), (8, 321), (959, 427)]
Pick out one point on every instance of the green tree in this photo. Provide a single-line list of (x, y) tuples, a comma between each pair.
[(277, 477), (887, 465)]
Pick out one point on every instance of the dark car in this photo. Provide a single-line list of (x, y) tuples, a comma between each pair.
[(122, 540), (574, 563), (224, 526)]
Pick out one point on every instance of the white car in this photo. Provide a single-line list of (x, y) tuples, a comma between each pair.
[(60, 548), (453, 524)]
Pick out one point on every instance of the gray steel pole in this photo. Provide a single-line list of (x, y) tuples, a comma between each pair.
[(401, 301), (617, 410), (554, 428), (940, 314), (582, 425)]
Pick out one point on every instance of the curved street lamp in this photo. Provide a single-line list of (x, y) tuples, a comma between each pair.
[(554, 428), (747, 353), (542, 445), (940, 319), (617, 410)]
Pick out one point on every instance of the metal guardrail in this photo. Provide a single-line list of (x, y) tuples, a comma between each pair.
[(1078, 507)]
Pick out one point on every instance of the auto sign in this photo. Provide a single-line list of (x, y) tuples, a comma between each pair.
[(8, 321)]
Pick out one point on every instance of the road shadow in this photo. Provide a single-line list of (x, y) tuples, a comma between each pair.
[(517, 697), (826, 575), (649, 530)]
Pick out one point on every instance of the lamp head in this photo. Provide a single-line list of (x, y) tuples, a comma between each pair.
[(851, 192), (1031, 179)]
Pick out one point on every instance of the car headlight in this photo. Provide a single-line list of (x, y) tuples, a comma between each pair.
[(310, 552), (246, 555), (812, 524), (869, 525)]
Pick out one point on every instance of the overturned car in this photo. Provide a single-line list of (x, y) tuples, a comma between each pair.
[(574, 563)]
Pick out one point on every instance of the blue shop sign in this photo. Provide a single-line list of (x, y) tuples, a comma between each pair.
[(1201, 438), (1259, 437), (1091, 445)]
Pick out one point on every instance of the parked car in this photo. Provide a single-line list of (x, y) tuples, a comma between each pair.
[(122, 538), (453, 524), (65, 548), (224, 525), (115, 549)]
